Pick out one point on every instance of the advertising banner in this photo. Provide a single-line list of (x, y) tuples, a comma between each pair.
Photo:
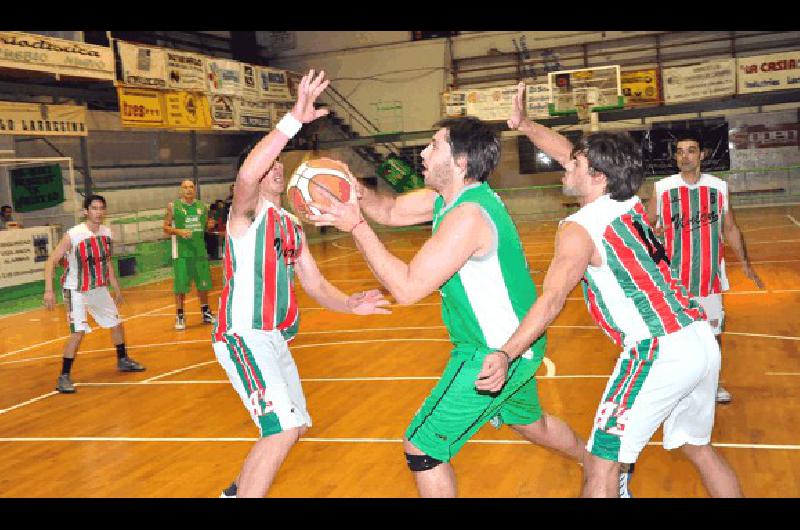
[(454, 103), (23, 253), (776, 71), (141, 107), (254, 114), (187, 110), (186, 71), (536, 99), (491, 103), (273, 84), (701, 81), (223, 112), (36, 188), (25, 51), (249, 81), (400, 176), (278, 109), (143, 66), (640, 87), (224, 76), (42, 120)]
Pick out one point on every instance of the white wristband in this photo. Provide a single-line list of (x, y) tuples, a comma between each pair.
[(289, 125)]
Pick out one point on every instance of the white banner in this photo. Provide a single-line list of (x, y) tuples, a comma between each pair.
[(143, 66), (254, 114), (223, 112), (455, 103), (274, 84), (250, 81), (776, 71), (537, 97), (186, 71), (24, 51), (224, 76), (701, 81), (23, 253), (40, 119), (491, 103)]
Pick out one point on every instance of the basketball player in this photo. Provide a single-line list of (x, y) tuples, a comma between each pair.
[(258, 311), (476, 260), (669, 365), (89, 270), (186, 220), (693, 212)]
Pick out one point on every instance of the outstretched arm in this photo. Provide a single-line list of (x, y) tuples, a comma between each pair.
[(573, 253), (554, 145), (321, 290), (410, 208)]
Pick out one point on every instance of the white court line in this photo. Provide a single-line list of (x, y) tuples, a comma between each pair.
[(783, 373), (792, 219), (338, 440), (179, 370), (338, 257), (34, 400), (781, 337), (765, 228)]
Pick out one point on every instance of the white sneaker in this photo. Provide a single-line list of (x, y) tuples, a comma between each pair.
[(625, 475), (180, 323), (229, 492), (723, 396)]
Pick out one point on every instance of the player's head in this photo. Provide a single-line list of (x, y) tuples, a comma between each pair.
[(6, 211), (94, 208), (688, 152), (188, 191), (463, 147), (608, 161)]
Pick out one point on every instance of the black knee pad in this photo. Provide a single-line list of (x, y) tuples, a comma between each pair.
[(421, 462)]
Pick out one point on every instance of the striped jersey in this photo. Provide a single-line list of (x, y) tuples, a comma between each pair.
[(484, 302), (192, 217), (87, 260), (692, 216), (633, 295), (258, 273)]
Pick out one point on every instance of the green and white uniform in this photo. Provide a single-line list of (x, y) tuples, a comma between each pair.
[(482, 305), (189, 257)]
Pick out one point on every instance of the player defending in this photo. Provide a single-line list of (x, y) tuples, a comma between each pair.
[(476, 261), (693, 212), (89, 270), (669, 365), (186, 220), (258, 311)]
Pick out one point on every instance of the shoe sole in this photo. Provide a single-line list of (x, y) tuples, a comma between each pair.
[(66, 391), (130, 370)]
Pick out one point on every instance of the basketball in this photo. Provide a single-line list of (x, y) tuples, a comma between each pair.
[(310, 181)]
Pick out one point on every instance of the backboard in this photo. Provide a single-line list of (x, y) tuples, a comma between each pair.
[(598, 87)]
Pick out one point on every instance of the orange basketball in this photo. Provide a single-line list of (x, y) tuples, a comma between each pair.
[(311, 181)]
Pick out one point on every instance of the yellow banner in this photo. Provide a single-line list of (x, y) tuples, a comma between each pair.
[(187, 110), (39, 119), (141, 107), (641, 87)]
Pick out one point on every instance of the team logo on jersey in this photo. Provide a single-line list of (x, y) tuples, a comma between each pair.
[(611, 418), (259, 405)]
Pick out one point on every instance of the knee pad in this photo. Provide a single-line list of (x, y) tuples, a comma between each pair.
[(421, 462)]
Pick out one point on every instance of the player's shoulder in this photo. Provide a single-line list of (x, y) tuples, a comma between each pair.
[(671, 181), (712, 181)]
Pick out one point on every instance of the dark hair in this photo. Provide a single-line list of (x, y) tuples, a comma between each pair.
[(474, 139), (617, 156), (6, 206), (689, 136), (91, 198)]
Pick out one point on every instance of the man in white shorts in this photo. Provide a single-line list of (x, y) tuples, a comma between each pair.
[(692, 211), (89, 270), (258, 312), (668, 368)]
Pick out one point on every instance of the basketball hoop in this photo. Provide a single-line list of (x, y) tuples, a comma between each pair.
[(584, 114)]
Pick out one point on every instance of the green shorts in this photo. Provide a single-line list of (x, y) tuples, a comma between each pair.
[(188, 270), (455, 410)]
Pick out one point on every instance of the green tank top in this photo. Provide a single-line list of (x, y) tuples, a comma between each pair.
[(484, 302), (192, 217)]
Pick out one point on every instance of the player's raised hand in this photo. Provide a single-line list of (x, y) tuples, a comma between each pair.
[(368, 303), (308, 91), (518, 110)]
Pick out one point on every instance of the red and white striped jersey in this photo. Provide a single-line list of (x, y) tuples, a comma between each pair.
[(632, 296), (87, 261), (258, 275), (692, 217)]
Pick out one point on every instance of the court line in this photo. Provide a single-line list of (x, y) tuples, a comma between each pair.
[(792, 219), (123, 439), (782, 373), (765, 228), (33, 400), (762, 335), (338, 257)]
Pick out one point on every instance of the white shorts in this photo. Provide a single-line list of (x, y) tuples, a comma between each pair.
[(712, 305), (670, 380), (263, 373), (97, 301)]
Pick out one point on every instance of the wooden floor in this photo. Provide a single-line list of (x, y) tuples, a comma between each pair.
[(179, 430)]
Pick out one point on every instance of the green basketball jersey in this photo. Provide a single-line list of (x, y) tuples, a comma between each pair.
[(192, 217), (484, 302)]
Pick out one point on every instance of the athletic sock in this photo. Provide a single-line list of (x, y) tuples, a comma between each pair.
[(121, 353), (180, 313), (66, 365)]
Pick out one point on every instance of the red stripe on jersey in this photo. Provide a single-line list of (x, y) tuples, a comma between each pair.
[(640, 276), (686, 236), (290, 249), (599, 318), (705, 240), (269, 270), (84, 266), (222, 313), (96, 263), (666, 221)]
